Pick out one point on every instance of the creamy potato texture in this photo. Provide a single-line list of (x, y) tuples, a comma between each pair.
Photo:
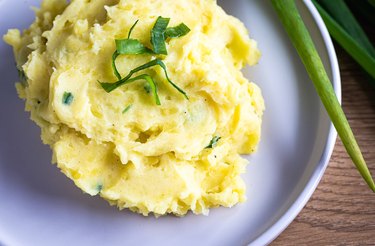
[(150, 159)]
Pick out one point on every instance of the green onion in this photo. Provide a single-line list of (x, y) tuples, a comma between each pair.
[(108, 87), (157, 35), (127, 108), (151, 83), (114, 68), (127, 47), (131, 47), (300, 37), (132, 28), (363, 9), (67, 98), (340, 13), (177, 31), (134, 47), (348, 43), (213, 142)]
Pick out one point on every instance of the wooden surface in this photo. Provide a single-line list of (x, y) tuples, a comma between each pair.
[(342, 209)]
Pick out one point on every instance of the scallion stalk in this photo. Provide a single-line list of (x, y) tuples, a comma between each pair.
[(360, 54), (301, 39)]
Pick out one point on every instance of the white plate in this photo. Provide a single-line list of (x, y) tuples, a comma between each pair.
[(40, 206)]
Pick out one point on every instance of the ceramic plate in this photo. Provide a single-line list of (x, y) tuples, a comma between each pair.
[(40, 206)]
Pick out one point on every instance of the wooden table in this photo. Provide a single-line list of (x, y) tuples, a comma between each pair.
[(342, 209)]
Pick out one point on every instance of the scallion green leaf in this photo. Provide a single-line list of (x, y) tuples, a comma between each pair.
[(132, 28), (157, 35), (147, 88), (108, 87), (177, 31), (114, 68), (151, 83), (300, 37), (364, 9), (131, 47), (340, 12), (348, 43)]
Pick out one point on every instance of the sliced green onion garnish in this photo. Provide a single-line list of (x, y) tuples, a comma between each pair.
[(134, 47), (108, 87), (157, 35), (300, 37), (114, 68), (67, 98), (127, 108), (213, 142), (177, 31), (151, 83), (131, 47), (132, 28)]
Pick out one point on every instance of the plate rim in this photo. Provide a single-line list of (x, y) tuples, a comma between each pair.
[(273, 231)]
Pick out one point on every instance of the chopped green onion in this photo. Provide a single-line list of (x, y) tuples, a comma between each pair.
[(348, 43), (131, 47), (157, 35), (213, 142), (127, 108), (108, 87), (177, 31), (151, 83), (114, 68), (67, 98), (132, 28), (300, 37)]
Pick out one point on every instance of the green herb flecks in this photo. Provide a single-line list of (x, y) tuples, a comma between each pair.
[(301, 39), (108, 87), (213, 142), (99, 187), (127, 108), (67, 98)]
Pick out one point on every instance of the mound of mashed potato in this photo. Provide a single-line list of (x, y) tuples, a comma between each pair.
[(148, 158)]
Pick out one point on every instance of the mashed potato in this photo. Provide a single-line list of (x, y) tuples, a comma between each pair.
[(147, 158)]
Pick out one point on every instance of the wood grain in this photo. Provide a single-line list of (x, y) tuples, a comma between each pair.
[(342, 209)]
